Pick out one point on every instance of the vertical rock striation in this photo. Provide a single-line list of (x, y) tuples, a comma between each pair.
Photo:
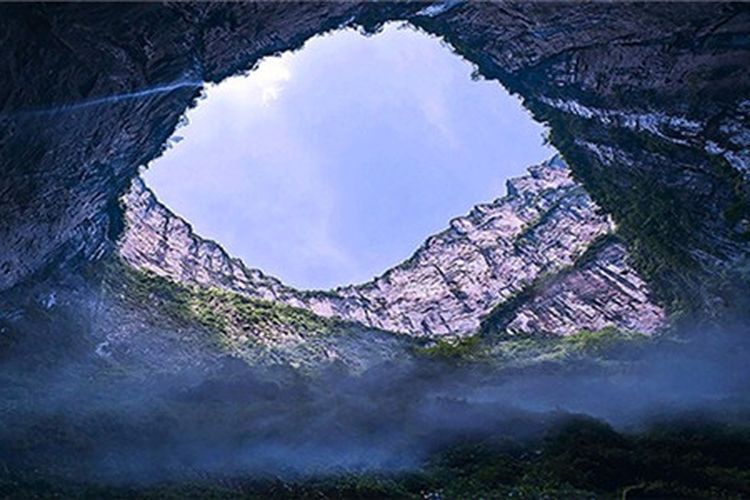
[(648, 103), (546, 235)]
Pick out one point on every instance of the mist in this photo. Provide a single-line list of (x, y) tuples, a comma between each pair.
[(274, 422)]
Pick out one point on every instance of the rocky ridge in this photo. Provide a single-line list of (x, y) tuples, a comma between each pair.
[(545, 248), (648, 103)]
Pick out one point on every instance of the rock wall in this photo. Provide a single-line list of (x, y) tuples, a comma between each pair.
[(155, 239), (647, 102), (542, 228), (651, 111)]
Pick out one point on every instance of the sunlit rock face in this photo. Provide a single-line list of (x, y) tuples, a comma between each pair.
[(156, 239), (545, 242), (601, 290), (648, 103)]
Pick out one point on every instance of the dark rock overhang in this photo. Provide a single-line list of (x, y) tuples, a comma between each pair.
[(648, 103)]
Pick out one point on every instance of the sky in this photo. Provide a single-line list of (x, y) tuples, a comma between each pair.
[(327, 166)]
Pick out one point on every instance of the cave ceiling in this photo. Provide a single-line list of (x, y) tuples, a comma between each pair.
[(649, 104)]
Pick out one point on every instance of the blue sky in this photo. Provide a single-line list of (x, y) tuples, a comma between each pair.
[(326, 166)]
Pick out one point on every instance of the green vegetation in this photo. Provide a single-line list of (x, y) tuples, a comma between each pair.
[(511, 351), (455, 349), (609, 344), (219, 310), (577, 458), (663, 218), (659, 219), (602, 341)]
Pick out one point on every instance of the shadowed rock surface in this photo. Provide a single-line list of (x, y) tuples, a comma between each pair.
[(106, 319), (647, 103), (112, 376), (547, 229)]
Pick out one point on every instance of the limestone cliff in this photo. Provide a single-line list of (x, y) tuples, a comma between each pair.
[(647, 102), (542, 248)]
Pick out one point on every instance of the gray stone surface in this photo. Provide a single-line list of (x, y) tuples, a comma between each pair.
[(647, 102), (542, 228)]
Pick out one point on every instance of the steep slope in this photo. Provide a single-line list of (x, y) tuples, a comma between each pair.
[(106, 319), (491, 256)]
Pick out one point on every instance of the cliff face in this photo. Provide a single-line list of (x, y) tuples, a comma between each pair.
[(648, 103), (155, 239), (651, 111), (545, 243), (93, 320)]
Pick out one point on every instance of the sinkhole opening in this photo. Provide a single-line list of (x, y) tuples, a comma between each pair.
[(328, 165)]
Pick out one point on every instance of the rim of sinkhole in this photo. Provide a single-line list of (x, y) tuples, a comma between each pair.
[(330, 164)]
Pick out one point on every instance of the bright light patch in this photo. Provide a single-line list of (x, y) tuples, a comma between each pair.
[(260, 87), (328, 165)]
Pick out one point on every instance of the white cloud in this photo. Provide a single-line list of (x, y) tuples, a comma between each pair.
[(435, 110), (259, 88), (270, 76)]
